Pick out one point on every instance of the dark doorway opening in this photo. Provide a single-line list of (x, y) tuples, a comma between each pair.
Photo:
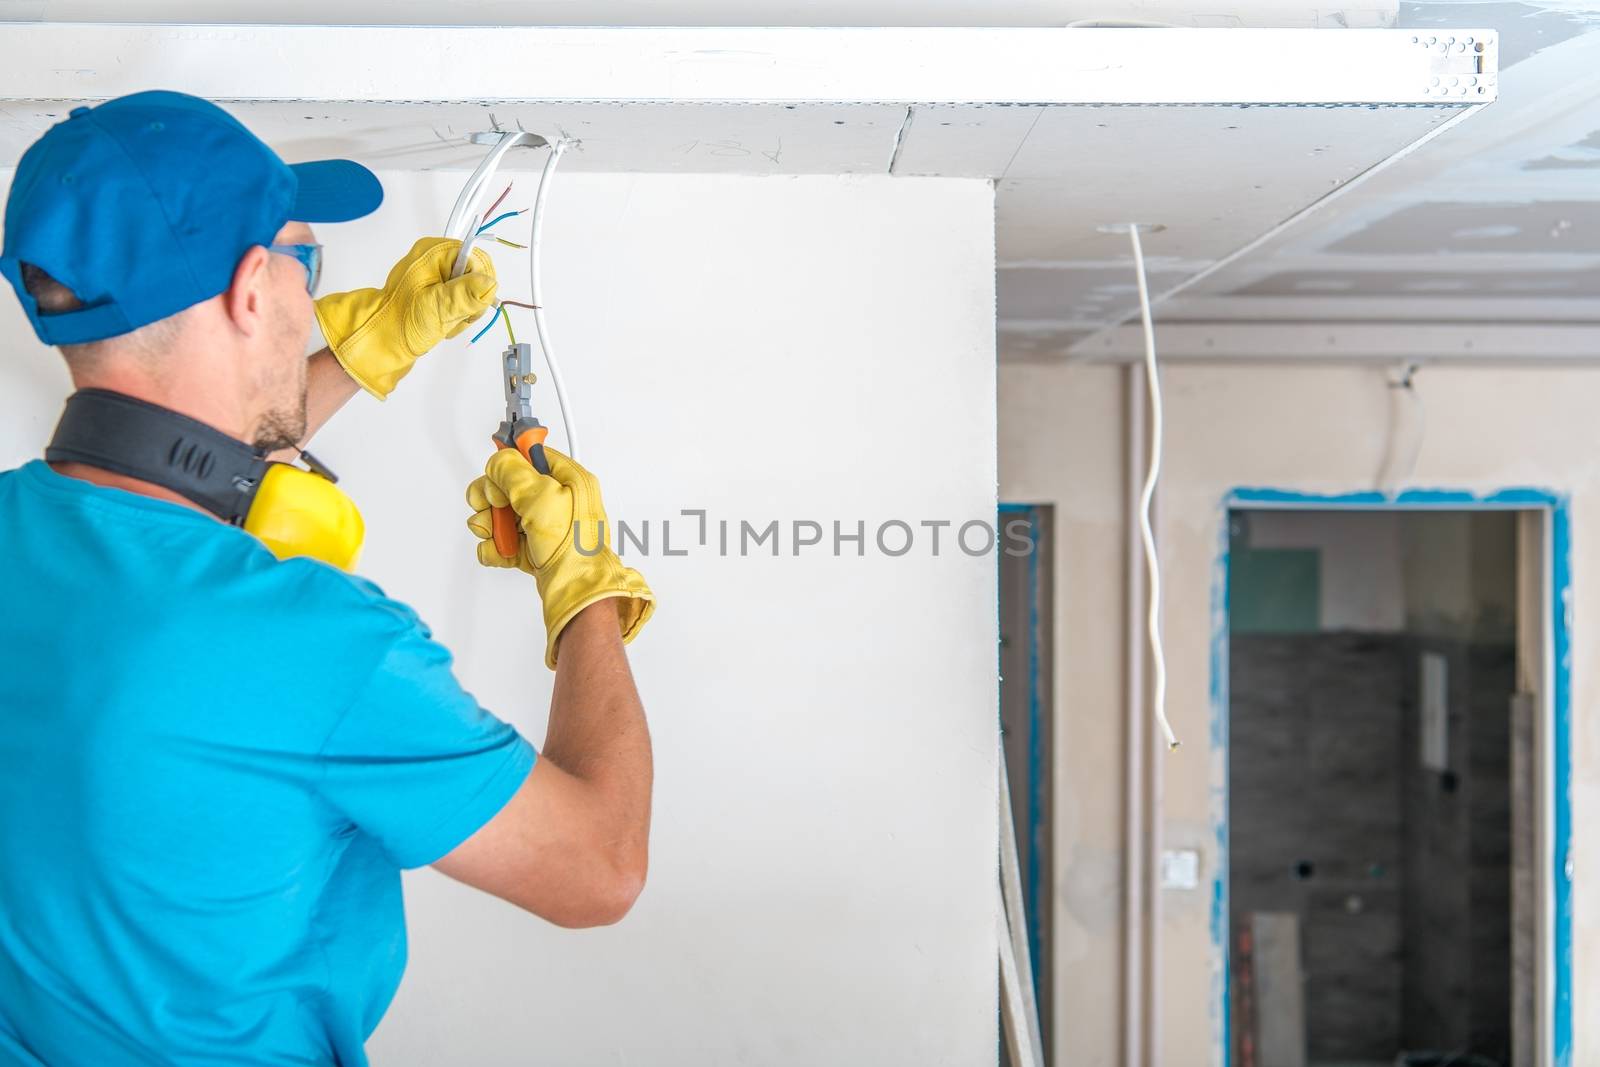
[(1379, 759)]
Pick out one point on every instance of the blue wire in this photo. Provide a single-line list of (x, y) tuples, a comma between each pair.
[(487, 325), (498, 218)]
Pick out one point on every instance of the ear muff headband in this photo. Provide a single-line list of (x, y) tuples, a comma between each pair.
[(294, 512)]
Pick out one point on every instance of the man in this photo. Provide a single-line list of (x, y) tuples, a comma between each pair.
[(214, 762)]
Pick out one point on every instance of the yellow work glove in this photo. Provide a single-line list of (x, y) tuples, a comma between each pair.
[(377, 334), (551, 510)]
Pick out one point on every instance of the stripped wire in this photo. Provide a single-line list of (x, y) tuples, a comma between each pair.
[(508, 244), (486, 326), (499, 199), (520, 304), (500, 218)]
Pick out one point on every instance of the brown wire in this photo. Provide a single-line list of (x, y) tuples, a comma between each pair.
[(498, 201)]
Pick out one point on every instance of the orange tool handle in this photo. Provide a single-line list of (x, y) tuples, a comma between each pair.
[(507, 530)]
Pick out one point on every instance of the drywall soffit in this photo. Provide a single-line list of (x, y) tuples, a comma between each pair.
[(1301, 14), (1383, 343), (968, 102), (1219, 135)]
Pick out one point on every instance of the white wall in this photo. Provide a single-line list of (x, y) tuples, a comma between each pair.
[(1305, 429), (823, 878)]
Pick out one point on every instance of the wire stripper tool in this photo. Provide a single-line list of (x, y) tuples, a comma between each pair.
[(522, 431)]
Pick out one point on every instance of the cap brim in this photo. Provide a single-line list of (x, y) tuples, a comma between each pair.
[(334, 190)]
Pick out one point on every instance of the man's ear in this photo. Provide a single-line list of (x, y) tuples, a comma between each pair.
[(245, 300)]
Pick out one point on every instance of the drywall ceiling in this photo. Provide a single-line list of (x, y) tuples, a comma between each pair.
[(1279, 13), (1484, 244)]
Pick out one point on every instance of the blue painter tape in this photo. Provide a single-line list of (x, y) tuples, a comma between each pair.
[(1035, 753), (1033, 877), (1448, 498), (1521, 498), (1561, 582), (1221, 606)]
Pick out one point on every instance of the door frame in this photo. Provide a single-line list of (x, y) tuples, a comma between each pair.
[(1554, 730), (1036, 878)]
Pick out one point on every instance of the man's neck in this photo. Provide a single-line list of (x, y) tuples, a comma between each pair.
[(112, 480)]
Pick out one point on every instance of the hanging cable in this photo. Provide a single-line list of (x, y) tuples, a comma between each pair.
[(1152, 562), (1405, 406), (536, 283)]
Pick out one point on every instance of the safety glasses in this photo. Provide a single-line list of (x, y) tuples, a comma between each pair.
[(310, 257)]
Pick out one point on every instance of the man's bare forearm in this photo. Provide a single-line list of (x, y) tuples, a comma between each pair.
[(328, 388), (597, 729)]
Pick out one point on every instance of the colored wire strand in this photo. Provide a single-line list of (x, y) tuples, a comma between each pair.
[(499, 199), (506, 316), (498, 218), (1152, 377), (488, 325)]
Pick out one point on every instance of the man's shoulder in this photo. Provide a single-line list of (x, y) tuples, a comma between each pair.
[(312, 586)]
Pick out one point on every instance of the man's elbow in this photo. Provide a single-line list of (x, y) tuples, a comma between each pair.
[(620, 895), (610, 895)]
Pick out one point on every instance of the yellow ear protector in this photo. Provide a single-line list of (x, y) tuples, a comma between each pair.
[(294, 512)]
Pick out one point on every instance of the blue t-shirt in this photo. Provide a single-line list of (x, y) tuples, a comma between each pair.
[(213, 766)]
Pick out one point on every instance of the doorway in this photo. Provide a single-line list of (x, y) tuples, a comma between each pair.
[(1389, 782)]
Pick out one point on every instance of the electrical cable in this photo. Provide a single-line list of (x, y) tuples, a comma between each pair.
[(463, 222), (536, 284), (457, 226), (466, 226), (1147, 497), (1395, 472)]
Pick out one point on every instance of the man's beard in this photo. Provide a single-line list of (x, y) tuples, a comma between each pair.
[(284, 426)]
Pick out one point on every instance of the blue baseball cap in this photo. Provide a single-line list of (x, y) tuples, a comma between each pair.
[(144, 205)]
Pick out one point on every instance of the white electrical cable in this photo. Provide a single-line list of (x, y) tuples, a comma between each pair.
[(468, 200), (1147, 533), (1398, 466), (536, 283), (463, 226)]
